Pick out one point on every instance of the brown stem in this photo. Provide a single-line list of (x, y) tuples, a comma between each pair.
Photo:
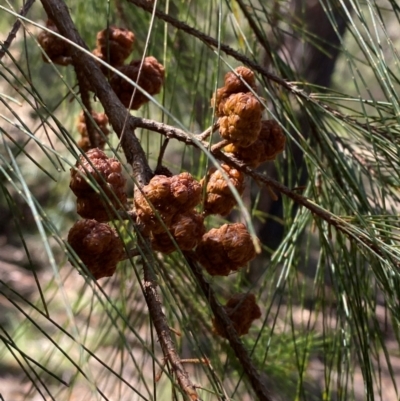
[(257, 381), (13, 33), (205, 134), (161, 325), (219, 145), (85, 97), (161, 154)]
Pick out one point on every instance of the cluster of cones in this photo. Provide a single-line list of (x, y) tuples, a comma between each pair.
[(252, 139), (166, 207), (99, 185), (113, 46)]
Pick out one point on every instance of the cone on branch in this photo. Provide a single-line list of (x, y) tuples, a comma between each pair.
[(56, 48), (163, 197), (219, 198), (185, 228), (242, 310), (225, 249), (241, 121), (151, 79), (233, 84), (269, 144), (98, 246), (107, 174), (101, 120), (114, 45)]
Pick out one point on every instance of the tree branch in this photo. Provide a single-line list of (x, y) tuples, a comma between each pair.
[(14, 30), (257, 381), (180, 135), (161, 325), (289, 86), (124, 125)]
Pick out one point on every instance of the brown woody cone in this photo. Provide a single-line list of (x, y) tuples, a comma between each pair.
[(186, 229), (98, 245), (102, 121), (219, 199), (242, 310), (114, 45), (225, 249), (57, 49), (271, 141), (168, 196), (241, 122), (107, 172), (233, 84), (151, 80)]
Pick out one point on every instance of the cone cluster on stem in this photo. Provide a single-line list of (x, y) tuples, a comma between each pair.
[(170, 209)]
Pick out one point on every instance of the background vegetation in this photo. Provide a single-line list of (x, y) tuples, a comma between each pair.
[(327, 279)]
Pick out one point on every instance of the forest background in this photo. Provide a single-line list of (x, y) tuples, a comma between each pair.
[(325, 211)]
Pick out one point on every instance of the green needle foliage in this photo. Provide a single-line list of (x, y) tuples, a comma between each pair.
[(326, 210)]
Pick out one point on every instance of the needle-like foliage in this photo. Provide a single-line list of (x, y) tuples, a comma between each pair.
[(322, 216)]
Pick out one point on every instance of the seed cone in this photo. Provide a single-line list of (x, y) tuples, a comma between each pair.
[(114, 45), (225, 249), (98, 246), (242, 310), (271, 141), (57, 49), (107, 173), (219, 198), (233, 84), (151, 80), (241, 122), (167, 196), (101, 120), (186, 229)]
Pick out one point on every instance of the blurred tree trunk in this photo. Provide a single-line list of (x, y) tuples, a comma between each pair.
[(315, 67)]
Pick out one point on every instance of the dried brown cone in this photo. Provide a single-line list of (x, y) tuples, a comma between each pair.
[(163, 197), (57, 49), (233, 84), (107, 173), (241, 122), (101, 120), (151, 80), (219, 198), (225, 249), (242, 309), (98, 245), (271, 141), (186, 229), (114, 45)]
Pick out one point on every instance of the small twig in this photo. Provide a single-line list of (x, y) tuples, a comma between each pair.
[(161, 325), (14, 30), (85, 97), (131, 253), (220, 145), (161, 154), (205, 134), (257, 382), (127, 215)]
